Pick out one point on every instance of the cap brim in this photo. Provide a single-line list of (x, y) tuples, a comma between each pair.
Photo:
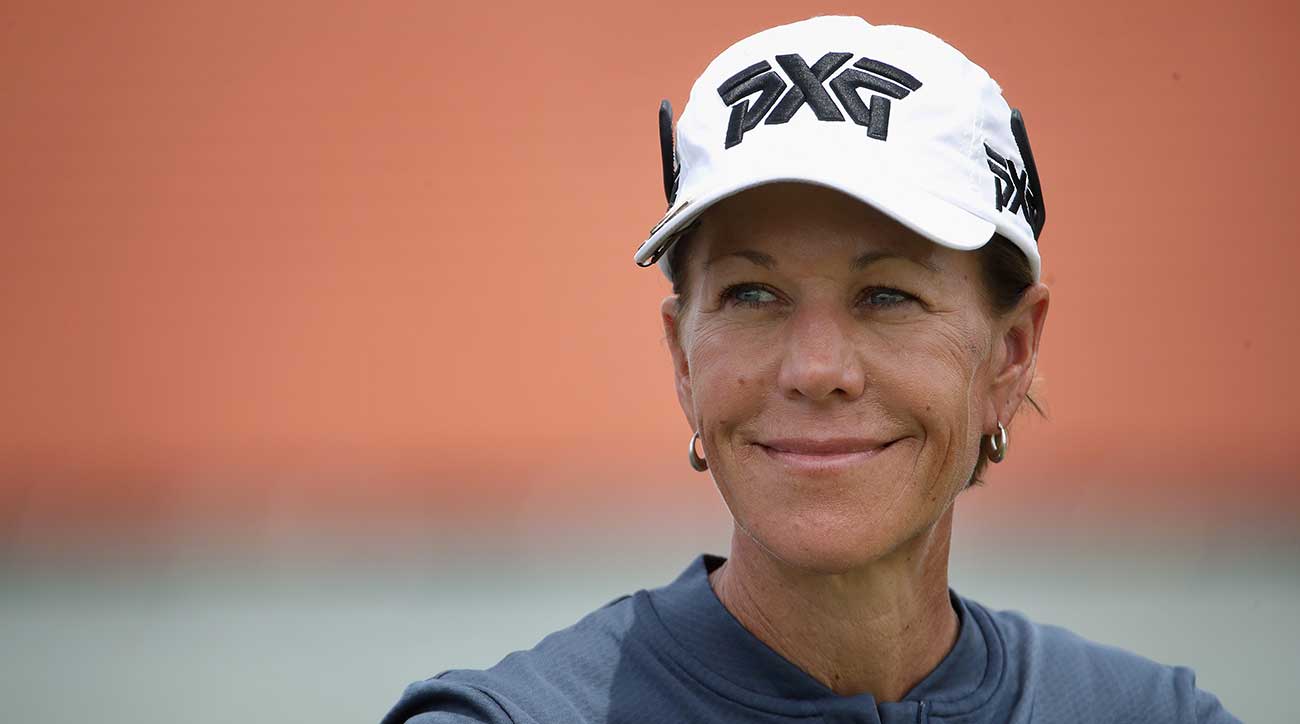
[(934, 218)]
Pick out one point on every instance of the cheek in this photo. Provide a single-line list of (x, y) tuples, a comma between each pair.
[(727, 375), (934, 377), (940, 376)]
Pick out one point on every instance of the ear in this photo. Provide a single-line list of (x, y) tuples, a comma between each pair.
[(1016, 355), (668, 312)]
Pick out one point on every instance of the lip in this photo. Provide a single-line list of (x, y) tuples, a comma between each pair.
[(822, 456)]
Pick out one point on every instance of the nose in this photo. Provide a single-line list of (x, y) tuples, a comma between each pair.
[(820, 358)]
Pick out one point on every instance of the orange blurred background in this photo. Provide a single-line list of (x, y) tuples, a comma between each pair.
[(344, 265)]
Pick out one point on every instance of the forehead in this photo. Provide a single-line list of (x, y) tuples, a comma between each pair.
[(796, 223)]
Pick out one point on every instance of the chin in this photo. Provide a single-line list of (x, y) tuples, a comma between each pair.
[(832, 521), (827, 541)]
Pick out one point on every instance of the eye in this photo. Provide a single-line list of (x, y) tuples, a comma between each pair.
[(886, 297), (746, 295)]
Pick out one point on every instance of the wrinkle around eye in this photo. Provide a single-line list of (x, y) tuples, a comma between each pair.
[(714, 339)]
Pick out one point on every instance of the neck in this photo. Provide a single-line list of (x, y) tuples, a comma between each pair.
[(879, 629)]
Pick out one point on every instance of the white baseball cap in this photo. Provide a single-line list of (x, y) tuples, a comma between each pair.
[(888, 114)]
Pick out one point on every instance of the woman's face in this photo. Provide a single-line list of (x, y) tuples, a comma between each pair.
[(840, 370)]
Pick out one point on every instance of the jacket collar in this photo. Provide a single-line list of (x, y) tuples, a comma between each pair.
[(720, 647)]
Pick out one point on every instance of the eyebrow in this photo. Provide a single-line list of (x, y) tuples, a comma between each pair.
[(861, 262), (871, 257), (764, 260)]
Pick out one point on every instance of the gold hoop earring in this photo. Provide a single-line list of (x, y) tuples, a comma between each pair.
[(697, 462), (997, 446)]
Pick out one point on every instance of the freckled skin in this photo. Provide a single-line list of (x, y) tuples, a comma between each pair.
[(821, 351)]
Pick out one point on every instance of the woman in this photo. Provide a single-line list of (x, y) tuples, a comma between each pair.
[(855, 319)]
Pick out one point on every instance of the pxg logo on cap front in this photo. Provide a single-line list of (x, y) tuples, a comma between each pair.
[(807, 87)]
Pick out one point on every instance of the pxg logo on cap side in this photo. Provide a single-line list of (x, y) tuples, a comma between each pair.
[(806, 87), (1010, 184), (1017, 190)]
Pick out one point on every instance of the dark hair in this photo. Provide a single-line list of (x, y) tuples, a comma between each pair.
[(1006, 273)]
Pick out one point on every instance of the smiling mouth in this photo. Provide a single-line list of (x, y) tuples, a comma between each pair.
[(826, 456)]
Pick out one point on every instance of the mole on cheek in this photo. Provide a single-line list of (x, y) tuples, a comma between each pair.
[(740, 381)]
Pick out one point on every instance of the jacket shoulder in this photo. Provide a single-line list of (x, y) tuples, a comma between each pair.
[(565, 677), (1077, 679)]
